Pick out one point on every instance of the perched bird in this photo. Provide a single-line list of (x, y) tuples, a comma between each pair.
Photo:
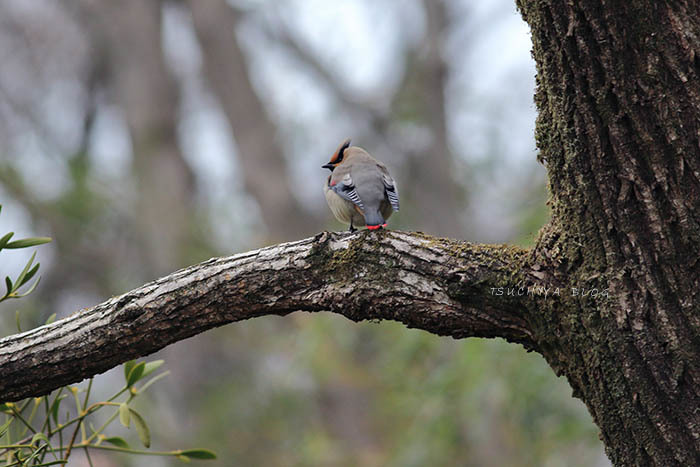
[(359, 189)]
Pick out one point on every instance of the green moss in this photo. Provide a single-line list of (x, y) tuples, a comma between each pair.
[(343, 264)]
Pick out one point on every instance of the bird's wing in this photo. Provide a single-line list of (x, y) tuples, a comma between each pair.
[(343, 185), (392, 193)]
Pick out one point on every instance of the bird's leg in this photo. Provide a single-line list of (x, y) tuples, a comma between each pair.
[(352, 229)]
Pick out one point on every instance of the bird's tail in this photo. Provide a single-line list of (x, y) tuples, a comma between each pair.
[(374, 219)]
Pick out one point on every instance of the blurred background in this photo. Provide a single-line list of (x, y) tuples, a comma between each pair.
[(147, 135)]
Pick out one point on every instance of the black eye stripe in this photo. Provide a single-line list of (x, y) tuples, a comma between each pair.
[(341, 152)]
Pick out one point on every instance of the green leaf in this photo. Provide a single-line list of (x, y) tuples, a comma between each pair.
[(153, 380), (29, 275), (184, 459), (199, 454), (124, 416), (6, 425), (39, 436), (27, 242), (135, 374), (25, 271), (6, 238), (141, 428), (59, 462), (38, 451), (128, 367), (31, 289), (51, 318), (8, 284), (117, 441), (55, 406), (29, 459), (151, 367)]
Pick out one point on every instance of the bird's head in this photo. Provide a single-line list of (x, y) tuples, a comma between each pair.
[(337, 156)]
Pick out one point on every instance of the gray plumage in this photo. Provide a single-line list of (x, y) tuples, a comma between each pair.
[(359, 189)]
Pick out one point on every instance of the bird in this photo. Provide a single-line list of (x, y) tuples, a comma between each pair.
[(359, 189)]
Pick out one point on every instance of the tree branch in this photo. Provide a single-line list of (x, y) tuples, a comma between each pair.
[(438, 285)]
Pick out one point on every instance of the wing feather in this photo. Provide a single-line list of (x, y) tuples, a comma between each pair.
[(392, 193), (345, 188)]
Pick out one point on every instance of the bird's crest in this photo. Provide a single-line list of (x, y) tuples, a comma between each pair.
[(340, 152), (337, 156)]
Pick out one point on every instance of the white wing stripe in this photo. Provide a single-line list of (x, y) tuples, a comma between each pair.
[(391, 192), (393, 199), (355, 198)]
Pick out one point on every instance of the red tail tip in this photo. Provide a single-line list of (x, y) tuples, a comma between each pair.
[(375, 227)]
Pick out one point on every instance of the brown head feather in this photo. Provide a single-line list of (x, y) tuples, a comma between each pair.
[(339, 153)]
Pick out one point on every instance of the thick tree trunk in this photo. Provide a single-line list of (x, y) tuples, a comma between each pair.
[(619, 101)]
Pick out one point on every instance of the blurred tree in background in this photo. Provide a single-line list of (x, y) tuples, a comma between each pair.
[(147, 135)]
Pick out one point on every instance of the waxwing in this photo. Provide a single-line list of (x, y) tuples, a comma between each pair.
[(359, 189)]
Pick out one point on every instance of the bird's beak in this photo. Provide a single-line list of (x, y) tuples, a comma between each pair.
[(328, 166)]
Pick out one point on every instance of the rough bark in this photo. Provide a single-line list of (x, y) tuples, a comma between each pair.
[(619, 131), (619, 128), (438, 285)]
